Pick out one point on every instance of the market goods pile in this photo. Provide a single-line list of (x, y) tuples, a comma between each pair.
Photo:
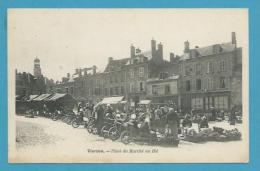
[(215, 134)]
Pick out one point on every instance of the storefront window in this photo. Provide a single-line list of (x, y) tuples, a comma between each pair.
[(197, 103), (221, 102)]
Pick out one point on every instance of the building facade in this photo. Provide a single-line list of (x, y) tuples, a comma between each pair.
[(201, 78), (211, 76)]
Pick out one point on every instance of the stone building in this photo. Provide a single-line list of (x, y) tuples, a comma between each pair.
[(143, 66), (211, 76)]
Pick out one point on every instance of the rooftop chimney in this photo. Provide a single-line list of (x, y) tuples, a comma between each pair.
[(94, 69), (132, 51), (160, 50), (172, 57), (233, 38), (153, 48), (110, 59)]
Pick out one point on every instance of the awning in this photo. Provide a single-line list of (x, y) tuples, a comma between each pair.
[(41, 97), (112, 100), (31, 97), (144, 102), (55, 97)]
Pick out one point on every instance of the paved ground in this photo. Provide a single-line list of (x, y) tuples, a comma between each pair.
[(43, 140)]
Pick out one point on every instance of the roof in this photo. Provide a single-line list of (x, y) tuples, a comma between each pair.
[(31, 97), (112, 100), (114, 64), (213, 49), (56, 96), (41, 97)]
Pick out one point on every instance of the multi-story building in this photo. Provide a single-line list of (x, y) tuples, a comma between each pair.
[(211, 76), (145, 65)]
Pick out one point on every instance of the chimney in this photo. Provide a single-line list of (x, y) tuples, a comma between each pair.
[(77, 71), (160, 50), (110, 59), (132, 51), (186, 47), (68, 75), (233, 38), (94, 69), (153, 48), (80, 72), (172, 57), (85, 72)]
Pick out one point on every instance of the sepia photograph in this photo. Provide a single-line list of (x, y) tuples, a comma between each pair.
[(128, 85)]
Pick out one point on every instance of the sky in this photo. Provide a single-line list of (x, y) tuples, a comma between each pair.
[(66, 39)]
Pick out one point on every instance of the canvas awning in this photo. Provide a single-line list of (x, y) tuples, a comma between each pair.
[(55, 97), (112, 100), (144, 102), (31, 97), (41, 97)]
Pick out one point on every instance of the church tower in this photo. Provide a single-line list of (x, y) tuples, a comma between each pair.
[(37, 68)]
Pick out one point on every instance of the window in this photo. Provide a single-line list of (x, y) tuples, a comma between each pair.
[(198, 84), (141, 71), (197, 103), (141, 86), (209, 84), (221, 102), (116, 80), (158, 90), (105, 92), (208, 102), (116, 90), (198, 69), (209, 67), (122, 77), (132, 73), (132, 87), (222, 66), (67, 90), (188, 70), (111, 79), (122, 90), (167, 89), (163, 75), (222, 82), (188, 85), (111, 91)]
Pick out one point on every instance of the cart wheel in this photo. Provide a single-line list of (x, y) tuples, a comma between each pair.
[(103, 133), (125, 137), (113, 133), (75, 124), (89, 128), (94, 130), (55, 118)]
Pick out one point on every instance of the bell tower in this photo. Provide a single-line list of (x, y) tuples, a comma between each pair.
[(37, 68)]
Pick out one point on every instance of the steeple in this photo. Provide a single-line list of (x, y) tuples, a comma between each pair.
[(37, 68)]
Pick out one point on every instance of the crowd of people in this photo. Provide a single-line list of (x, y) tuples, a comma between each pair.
[(166, 118)]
